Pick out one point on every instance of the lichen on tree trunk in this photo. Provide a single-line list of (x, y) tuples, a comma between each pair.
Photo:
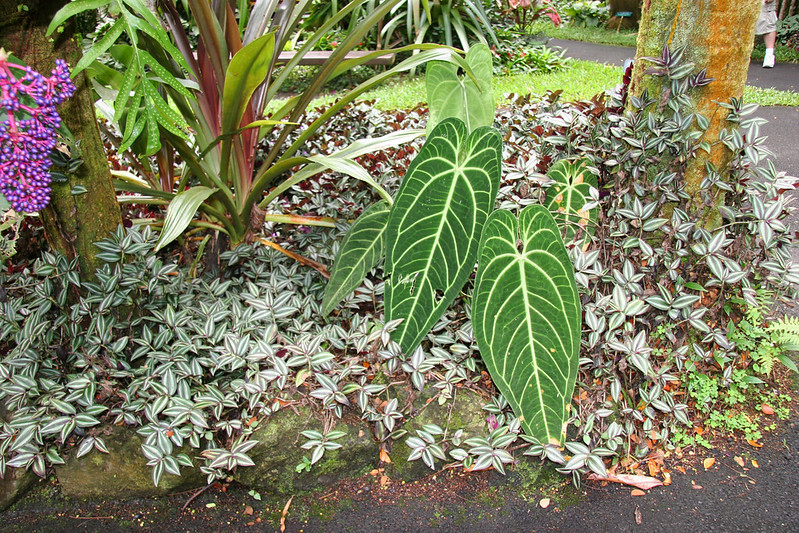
[(72, 223), (717, 35)]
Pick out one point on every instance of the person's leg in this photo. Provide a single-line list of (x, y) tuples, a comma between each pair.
[(770, 39)]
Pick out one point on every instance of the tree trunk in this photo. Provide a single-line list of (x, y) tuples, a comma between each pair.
[(72, 223), (717, 35)]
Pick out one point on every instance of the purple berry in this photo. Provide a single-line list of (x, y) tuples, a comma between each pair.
[(29, 121)]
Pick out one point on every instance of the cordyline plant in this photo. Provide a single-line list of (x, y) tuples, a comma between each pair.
[(207, 103), (28, 103)]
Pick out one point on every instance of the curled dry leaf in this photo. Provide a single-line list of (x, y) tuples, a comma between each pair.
[(641, 482), (767, 409), (739, 461), (708, 463), (637, 492), (544, 503)]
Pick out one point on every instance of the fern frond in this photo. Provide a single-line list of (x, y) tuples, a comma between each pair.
[(785, 332)]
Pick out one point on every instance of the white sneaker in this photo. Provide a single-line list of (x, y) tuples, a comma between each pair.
[(768, 61)]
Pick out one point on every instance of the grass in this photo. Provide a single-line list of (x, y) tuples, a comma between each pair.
[(581, 81), (598, 35)]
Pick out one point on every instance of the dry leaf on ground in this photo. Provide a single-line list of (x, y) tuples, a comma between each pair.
[(637, 492), (709, 462), (739, 461), (544, 503), (641, 482)]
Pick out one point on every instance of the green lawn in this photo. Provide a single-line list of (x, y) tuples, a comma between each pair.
[(581, 81)]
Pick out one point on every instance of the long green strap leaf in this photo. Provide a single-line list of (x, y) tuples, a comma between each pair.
[(360, 251), (180, 213), (435, 225), (526, 316), (247, 70)]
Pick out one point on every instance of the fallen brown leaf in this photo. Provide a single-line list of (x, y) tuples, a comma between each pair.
[(283, 516), (384, 456), (248, 510), (739, 461), (637, 492), (754, 443), (641, 482), (708, 463), (544, 503), (767, 410), (638, 518)]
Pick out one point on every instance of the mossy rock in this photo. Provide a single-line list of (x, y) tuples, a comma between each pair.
[(278, 453), (14, 485), (464, 412), (120, 474)]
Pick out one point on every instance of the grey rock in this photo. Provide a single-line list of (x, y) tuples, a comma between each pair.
[(121, 474)]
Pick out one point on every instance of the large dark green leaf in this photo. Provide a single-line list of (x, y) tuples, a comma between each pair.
[(361, 249), (568, 197), (451, 95), (526, 316), (435, 225)]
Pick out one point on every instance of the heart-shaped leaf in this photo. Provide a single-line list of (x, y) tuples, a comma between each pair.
[(361, 249), (450, 95), (526, 316), (435, 225), (569, 195)]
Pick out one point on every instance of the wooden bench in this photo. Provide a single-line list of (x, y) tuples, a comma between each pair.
[(318, 57)]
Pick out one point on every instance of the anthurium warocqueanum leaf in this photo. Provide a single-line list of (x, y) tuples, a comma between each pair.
[(435, 224), (452, 95), (569, 195), (526, 316), (363, 246)]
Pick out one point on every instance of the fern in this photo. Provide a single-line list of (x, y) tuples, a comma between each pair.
[(785, 332)]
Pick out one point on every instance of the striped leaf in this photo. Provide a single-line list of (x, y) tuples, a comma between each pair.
[(451, 95), (361, 249), (568, 196), (526, 316), (435, 225), (181, 212)]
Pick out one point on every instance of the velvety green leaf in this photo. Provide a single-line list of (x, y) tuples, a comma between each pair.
[(451, 95), (247, 70), (567, 197), (361, 249), (526, 316), (180, 213), (435, 225)]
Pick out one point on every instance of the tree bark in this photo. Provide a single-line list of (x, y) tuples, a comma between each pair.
[(72, 223), (718, 35)]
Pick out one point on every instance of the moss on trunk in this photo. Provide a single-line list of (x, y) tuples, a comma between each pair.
[(717, 36), (72, 223)]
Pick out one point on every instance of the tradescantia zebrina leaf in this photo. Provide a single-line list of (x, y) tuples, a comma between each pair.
[(568, 197), (526, 316), (450, 95), (361, 249), (435, 225)]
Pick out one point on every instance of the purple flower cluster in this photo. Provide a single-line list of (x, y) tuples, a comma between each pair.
[(28, 131)]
